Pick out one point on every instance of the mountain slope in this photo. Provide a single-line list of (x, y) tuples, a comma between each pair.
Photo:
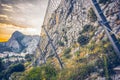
[(79, 38), (70, 21), (20, 43)]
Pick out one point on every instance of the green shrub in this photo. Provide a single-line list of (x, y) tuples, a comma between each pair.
[(112, 61), (87, 28), (82, 72), (67, 56), (83, 40), (77, 53), (67, 52), (13, 68), (46, 72), (91, 47), (92, 16), (29, 57), (61, 43), (65, 38), (1, 68), (1, 65)]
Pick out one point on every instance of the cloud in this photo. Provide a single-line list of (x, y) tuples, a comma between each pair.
[(9, 29), (6, 6), (22, 15), (8, 10), (25, 12), (2, 17)]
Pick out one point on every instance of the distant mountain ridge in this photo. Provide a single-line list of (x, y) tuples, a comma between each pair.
[(20, 43)]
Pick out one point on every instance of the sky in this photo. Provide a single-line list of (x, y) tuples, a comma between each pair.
[(25, 16)]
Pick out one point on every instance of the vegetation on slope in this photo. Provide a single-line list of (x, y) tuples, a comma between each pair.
[(5, 74), (98, 59)]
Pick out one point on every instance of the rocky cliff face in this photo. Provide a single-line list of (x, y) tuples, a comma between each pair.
[(20, 43), (67, 22), (69, 19), (79, 38)]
